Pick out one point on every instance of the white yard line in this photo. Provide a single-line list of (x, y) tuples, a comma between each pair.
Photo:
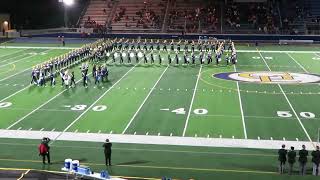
[(21, 119), (23, 58), (93, 104), (305, 70), (15, 93), (12, 62), (22, 70), (241, 109), (12, 53), (191, 103), (158, 140), (15, 74), (285, 96), (143, 102), (5, 60)]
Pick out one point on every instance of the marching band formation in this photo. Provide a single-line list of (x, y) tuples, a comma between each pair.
[(136, 49), (131, 51)]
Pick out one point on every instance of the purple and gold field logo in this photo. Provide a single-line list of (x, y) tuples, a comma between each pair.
[(270, 77)]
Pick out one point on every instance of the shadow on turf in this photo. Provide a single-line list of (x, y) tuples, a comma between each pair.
[(133, 162)]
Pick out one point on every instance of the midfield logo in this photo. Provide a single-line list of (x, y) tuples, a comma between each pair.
[(270, 77)]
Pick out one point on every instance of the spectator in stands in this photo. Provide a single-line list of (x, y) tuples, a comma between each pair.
[(261, 16), (232, 16)]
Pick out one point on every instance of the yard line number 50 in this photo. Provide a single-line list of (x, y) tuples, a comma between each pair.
[(288, 114)]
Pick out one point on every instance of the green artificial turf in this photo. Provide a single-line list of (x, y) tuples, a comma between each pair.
[(181, 103)]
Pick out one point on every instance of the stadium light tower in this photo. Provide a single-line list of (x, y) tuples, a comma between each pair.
[(66, 4)]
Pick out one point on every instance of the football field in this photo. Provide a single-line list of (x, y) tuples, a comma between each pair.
[(142, 103), (163, 100)]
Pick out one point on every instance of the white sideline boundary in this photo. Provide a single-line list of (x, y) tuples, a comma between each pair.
[(35, 47), (156, 140)]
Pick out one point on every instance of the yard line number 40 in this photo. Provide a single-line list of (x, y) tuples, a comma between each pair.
[(196, 111), (288, 114)]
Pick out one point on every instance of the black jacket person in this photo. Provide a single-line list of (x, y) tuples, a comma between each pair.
[(316, 161), (282, 158), (303, 158), (291, 159), (107, 152)]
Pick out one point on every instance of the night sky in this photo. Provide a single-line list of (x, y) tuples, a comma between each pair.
[(38, 14)]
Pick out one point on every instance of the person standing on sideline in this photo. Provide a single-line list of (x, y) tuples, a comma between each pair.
[(63, 42), (282, 158), (107, 152), (303, 158), (315, 161), (291, 159), (44, 150)]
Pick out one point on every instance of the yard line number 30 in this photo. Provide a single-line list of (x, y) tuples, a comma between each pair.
[(79, 107)]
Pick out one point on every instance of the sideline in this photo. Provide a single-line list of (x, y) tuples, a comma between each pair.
[(157, 140)]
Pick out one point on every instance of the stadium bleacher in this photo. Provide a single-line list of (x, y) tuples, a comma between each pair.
[(193, 16), (139, 14), (97, 13), (199, 16)]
